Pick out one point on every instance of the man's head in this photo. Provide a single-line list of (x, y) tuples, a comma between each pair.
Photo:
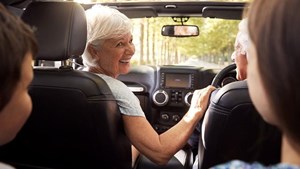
[(240, 53)]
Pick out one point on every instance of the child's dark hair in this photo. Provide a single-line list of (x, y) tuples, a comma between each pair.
[(17, 39)]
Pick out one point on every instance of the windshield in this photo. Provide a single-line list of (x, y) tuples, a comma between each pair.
[(212, 48)]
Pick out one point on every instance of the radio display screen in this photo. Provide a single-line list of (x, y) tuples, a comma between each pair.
[(177, 80)]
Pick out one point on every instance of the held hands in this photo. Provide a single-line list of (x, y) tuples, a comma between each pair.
[(199, 103)]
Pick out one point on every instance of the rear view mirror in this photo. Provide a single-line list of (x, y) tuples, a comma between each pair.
[(180, 30)]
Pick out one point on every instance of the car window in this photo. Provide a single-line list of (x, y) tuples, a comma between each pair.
[(212, 48)]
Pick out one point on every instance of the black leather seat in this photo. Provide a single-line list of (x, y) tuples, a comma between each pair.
[(181, 160), (233, 129), (75, 122)]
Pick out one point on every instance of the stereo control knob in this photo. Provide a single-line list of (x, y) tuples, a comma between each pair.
[(160, 98), (188, 98), (176, 118), (165, 117)]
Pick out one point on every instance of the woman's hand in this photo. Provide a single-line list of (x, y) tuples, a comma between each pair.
[(199, 103)]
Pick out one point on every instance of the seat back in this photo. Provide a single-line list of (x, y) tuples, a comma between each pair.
[(75, 122), (233, 129)]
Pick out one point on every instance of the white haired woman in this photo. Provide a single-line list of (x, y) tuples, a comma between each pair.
[(108, 53)]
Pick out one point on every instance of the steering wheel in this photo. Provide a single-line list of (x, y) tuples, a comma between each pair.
[(219, 78)]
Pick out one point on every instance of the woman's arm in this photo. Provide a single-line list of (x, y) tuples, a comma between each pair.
[(160, 148)]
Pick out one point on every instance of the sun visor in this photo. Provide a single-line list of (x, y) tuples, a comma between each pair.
[(138, 12), (222, 12)]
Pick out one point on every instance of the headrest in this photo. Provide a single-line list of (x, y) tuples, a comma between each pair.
[(232, 94), (60, 27), (223, 102)]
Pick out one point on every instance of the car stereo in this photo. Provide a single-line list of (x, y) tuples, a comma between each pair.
[(175, 89), (177, 80)]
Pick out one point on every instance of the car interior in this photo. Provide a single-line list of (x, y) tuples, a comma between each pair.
[(76, 123), (66, 129)]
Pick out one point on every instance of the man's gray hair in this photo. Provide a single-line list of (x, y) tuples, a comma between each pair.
[(103, 23), (242, 37)]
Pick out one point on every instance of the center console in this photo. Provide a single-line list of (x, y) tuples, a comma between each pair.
[(165, 92), (173, 95), (176, 89)]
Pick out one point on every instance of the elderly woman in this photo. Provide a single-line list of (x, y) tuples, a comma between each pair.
[(240, 54), (108, 53)]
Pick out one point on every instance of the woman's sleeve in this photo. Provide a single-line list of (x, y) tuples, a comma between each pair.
[(128, 103)]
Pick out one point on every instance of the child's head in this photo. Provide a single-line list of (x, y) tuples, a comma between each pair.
[(273, 69), (18, 46)]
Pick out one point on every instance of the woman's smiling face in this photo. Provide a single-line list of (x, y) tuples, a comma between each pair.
[(114, 55)]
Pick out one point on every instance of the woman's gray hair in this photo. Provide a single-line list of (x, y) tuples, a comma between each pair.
[(103, 23)]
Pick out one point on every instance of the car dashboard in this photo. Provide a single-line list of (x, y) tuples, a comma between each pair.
[(165, 92)]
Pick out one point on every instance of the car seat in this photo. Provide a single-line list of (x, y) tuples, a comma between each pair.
[(75, 121), (233, 129)]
